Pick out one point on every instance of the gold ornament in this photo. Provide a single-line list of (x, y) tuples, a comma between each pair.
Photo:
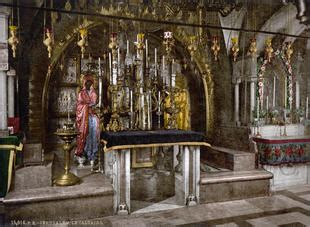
[(234, 48), (288, 51), (48, 42), (253, 48), (215, 47), (13, 40), (268, 49), (82, 42), (192, 47), (140, 41)]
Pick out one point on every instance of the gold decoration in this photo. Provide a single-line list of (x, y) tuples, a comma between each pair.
[(234, 48), (192, 47), (268, 49), (82, 42), (288, 51), (253, 48), (48, 42), (215, 47), (13, 40)]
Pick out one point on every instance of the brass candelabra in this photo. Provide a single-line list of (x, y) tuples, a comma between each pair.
[(67, 134)]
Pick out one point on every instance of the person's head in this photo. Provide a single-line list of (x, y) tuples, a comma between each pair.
[(88, 84)]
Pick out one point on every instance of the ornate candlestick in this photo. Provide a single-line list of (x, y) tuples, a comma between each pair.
[(67, 134), (114, 123), (169, 43)]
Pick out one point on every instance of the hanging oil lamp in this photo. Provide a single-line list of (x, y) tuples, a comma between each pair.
[(48, 42), (253, 48), (192, 47), (13, 40), (215, 47), (82, 42), (234, 48), (288, 51), (268, 49)]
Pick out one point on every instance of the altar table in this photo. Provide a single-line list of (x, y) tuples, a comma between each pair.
[(282, 149), (119, 145)]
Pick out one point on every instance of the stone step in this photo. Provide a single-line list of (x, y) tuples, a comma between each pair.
[(235, 160), (31, 177), (92, 198), (224, 186)]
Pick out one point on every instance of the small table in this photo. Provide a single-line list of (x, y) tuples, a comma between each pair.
[(8, 158), (120, 143)]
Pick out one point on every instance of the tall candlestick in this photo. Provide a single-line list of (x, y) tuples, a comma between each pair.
[(118, 62), (163, 71), (274, 92), (307, 103), (146, 54), (267, 103)]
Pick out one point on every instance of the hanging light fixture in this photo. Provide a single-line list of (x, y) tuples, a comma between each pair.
[(253, 48), (288, 51), (13, 40), (234, 48), (48, 39), (268, 49), (215, 47), (192, 47), (82, 42)]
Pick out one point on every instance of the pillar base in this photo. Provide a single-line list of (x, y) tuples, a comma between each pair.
[(4, 133)]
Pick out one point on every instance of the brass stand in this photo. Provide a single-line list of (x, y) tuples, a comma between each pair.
[(67, 135)]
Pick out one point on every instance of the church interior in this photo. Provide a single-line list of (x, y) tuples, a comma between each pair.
[(155, 113)]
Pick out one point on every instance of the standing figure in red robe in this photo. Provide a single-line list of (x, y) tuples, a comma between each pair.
[(87, 123)]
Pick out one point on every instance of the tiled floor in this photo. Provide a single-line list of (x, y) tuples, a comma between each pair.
[(289, 207)]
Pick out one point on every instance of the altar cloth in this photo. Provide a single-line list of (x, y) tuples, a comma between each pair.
[(9, 146), (282, 150), (136, 139)]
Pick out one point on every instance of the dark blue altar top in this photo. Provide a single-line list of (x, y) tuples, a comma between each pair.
[(130, 139)]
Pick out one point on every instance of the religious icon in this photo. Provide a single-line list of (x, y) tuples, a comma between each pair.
[(87, 123)]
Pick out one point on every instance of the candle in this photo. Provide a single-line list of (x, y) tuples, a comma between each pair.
[(118, 61), (127, 47), (110, 66), (257, 108), (159, 101), (131, 103), (274, 92), (156, 63), (149, 111), (267, 103), (307, 102), (100, 83), (285, 93), (173, 74), (146, 54), (68, 105)]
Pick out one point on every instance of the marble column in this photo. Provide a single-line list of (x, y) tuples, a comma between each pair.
[(11, 92), (3, 77)]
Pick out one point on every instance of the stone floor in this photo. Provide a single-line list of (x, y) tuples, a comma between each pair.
[(290, 207)]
